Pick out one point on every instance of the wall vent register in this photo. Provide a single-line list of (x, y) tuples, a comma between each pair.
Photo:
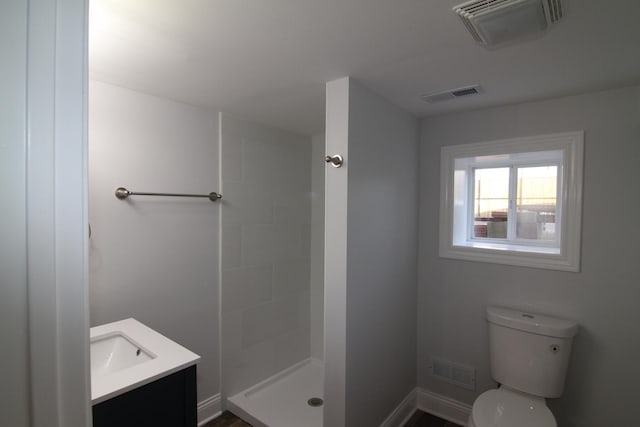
[(453, 373)]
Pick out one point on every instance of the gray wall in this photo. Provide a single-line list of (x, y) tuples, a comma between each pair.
[(155, 259), (265, 252), (382, 230), (602, 386), (335, 254), (14, 409)]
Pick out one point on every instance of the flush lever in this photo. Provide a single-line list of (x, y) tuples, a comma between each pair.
[(335, 160)]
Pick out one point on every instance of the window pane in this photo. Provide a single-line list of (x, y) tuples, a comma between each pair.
[(491, 202), (536, 203)]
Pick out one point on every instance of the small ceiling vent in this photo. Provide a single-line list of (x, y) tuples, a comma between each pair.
[(451, 94), (492, 22)]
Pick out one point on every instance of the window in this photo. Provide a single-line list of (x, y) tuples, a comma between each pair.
[(513, 201)]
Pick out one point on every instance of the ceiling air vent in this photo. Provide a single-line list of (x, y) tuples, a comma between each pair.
[(554, 7), (451, 94), (492, 22)]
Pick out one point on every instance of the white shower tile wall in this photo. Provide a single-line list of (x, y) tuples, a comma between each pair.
[(317, 246), (265, 252)]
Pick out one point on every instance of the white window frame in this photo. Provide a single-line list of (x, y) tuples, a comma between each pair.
[(513, 162), (565, 149)]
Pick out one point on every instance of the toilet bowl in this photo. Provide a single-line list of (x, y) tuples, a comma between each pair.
[(529, 357), (509, 408)]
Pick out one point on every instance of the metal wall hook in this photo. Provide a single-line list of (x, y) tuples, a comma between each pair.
[(335, 160)]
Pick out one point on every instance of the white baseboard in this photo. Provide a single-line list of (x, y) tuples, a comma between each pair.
[(443, 407), (239, 412), (403, 411), (427, 401), (209, 408)]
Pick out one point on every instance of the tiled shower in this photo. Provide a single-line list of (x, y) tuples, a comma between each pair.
[(271, 303)]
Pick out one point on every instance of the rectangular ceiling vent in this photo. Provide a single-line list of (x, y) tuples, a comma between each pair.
[(492, 22), (555, 10), (451, 94)]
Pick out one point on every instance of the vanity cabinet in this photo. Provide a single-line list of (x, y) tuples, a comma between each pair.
[(166, 402)]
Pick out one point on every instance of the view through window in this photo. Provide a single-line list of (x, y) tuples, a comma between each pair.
[(531, 205)]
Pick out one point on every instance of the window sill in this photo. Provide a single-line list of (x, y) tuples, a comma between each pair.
[(537, 257), (524, 249)]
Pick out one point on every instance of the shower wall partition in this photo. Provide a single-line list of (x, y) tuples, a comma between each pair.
[(266, 295)]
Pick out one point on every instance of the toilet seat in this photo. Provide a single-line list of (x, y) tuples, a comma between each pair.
[(509, 408)]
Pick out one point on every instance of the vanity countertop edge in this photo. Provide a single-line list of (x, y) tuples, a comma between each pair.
[(168, 357)]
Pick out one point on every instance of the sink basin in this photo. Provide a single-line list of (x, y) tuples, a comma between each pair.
[(127, 354), (115, 351)]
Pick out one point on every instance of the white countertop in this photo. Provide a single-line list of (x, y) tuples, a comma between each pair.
[(168, 357)]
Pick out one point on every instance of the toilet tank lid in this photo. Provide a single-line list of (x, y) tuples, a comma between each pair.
[(532, 322)]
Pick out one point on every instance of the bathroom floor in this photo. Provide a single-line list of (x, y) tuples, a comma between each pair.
[(422, 419), (419, 419), (227, 419)]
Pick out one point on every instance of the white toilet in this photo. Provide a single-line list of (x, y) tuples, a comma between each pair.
[(529, 357)]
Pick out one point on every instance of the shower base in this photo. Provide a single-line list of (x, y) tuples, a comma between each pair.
[(282, 400)]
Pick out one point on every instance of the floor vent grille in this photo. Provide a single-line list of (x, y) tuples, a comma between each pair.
[(454, 373)]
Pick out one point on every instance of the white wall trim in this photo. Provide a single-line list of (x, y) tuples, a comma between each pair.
[(221, 383), (430, 402), (568, 258), (57, 261), (244, 415), (443, 407), (403, 411), (209, 408)]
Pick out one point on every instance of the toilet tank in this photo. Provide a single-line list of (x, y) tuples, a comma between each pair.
[(529, 352)]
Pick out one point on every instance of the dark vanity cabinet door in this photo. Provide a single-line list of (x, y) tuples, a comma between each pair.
[(166, 402)]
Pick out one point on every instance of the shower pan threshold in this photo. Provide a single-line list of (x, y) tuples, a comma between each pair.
[(282, 400)]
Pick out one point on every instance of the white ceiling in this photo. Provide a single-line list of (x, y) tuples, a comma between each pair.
[(268, 60)]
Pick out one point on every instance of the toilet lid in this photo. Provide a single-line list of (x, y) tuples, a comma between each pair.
[(507, 408)]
